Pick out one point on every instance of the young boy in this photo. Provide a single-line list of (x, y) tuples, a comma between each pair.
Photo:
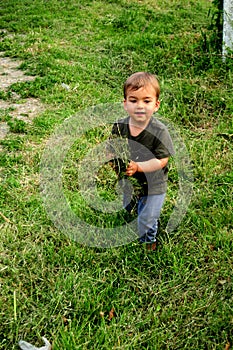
[(150, 147)]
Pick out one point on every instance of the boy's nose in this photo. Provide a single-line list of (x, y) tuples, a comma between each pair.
[(140, 104)]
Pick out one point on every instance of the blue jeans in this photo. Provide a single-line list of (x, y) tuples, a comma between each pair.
[(149, 208)]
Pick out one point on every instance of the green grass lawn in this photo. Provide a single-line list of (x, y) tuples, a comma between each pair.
[(82, 297)]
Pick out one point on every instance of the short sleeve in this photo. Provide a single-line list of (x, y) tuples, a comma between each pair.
[(163, 145)]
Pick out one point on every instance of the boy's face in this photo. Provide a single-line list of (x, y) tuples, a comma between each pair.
[(141, 104)]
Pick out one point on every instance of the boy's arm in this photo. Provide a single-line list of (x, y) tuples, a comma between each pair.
[(147, 166)]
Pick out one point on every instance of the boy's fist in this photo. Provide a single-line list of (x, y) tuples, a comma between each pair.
[(132, 168)]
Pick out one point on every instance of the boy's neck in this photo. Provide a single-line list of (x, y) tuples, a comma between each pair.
[(136, 128)]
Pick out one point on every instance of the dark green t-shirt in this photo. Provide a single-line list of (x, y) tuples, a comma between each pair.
[(153, 142)]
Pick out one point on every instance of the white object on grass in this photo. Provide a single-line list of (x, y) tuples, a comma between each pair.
[(27, 346), (65, 86), (227, 26)]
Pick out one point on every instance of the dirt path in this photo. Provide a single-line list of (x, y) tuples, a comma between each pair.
[(26, 109)]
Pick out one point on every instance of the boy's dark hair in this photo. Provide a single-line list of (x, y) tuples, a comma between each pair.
[(141, 79)]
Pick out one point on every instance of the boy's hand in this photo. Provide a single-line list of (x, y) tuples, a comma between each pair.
[(132, 168)]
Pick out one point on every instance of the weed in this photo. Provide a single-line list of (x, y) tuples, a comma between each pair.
[(12, 144), (17, 125)]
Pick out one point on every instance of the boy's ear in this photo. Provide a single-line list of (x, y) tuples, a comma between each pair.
[(125, 106), (157, 104)]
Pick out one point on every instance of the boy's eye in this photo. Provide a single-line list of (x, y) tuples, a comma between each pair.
[(147, 101), (133, 101)]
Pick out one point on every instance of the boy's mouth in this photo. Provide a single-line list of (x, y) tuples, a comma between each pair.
[(140, 113)]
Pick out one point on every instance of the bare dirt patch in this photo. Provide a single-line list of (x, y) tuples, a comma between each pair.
[(26, 109), (4, 129), (10, 73)]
